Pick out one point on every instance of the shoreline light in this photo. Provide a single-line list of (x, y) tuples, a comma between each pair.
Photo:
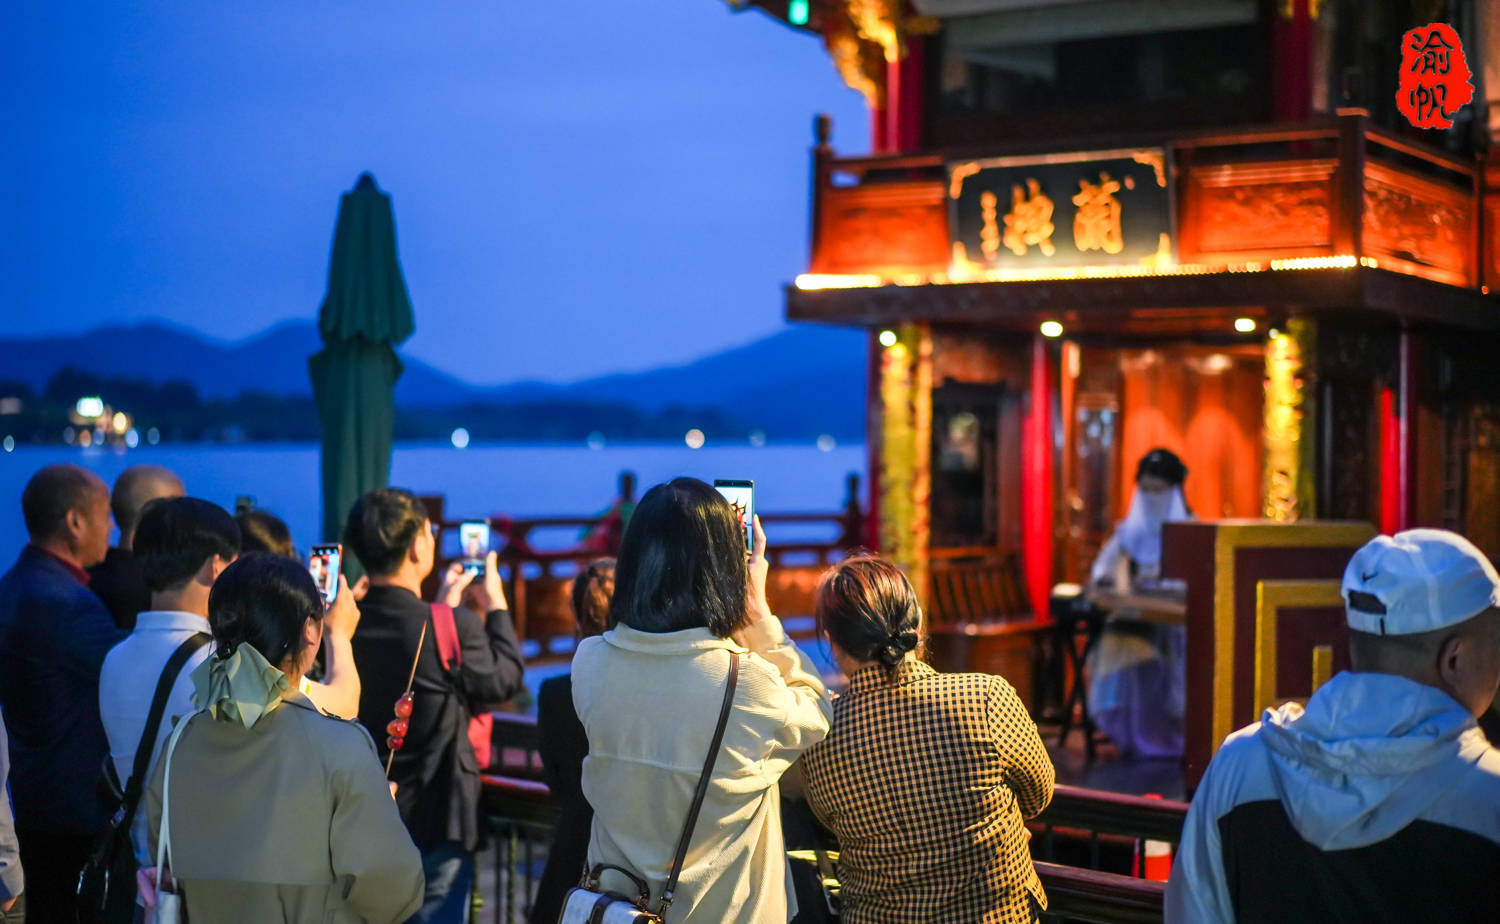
[(693, 438), (1245, 325), (1051, 329), (460, 438), (92, 406)]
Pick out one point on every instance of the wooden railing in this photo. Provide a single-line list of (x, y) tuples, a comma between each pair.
[(537, 578), (519, 810)]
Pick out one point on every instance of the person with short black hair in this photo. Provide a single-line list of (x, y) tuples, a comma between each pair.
[(437, 771), (54, 634), (649, 693), (181, 546), (970, 764), (1379, 800), (118, 580), (262, 531), (563, 746), (279, 811)]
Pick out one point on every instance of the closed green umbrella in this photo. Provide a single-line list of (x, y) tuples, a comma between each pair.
[(365, 315)]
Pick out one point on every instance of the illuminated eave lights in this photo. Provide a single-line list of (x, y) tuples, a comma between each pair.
[(811, 282)]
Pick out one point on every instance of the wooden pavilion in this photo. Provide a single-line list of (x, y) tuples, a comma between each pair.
[(1091, 228)]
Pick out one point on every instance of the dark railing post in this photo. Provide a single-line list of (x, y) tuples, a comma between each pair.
[(822, 157), (854, 515)]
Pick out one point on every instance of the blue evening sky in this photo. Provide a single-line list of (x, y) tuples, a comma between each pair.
[(581, 186)]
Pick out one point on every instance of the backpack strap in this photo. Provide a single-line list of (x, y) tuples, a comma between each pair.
[(445, 634), (703, 780), (144, 750)]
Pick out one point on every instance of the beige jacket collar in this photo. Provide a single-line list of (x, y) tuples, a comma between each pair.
[(663, 643)]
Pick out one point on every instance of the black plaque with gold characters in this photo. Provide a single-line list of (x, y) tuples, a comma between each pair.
[(1100, 208)]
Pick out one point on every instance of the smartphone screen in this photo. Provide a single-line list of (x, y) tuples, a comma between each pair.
[(741, 496), (324, 563), (474, 541)]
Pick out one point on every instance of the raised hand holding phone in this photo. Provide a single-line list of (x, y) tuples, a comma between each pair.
[(487, 595), (759, 569)]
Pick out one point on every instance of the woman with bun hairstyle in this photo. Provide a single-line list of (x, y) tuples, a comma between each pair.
[(280, 812), (925, 778)]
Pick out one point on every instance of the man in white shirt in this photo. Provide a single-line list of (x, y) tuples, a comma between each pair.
[(183, 544)]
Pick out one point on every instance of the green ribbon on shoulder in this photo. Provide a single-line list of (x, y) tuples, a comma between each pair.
[(240, 688)]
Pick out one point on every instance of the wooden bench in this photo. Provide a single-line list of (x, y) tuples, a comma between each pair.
[(979, 617)]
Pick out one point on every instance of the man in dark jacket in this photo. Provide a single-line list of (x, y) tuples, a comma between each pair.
[(118, 580), (436, 771), (54, 634)]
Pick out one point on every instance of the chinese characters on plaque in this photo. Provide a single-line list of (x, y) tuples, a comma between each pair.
[(1435, 80), (1107, 207)]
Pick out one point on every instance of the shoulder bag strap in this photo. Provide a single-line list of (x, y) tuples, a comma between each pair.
[(164, 835), (445, 633), (145, 749), (703, 780)]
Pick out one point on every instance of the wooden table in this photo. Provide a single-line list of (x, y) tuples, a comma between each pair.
[(1168, 607)]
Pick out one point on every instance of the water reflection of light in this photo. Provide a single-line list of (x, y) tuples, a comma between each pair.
[(460, 438), (596, 440), (86, 438), (132, 438), (757, 438), (10, 444), (153, 436), (69, 435), (694, 438), (826, 443), (120, 421)]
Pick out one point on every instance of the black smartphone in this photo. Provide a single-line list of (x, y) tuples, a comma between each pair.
[(324, 563), (741, 496), (474, 545)]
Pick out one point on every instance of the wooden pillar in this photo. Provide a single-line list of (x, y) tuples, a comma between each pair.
[(1037, 474), (1291, 426), (1292, 60), (904, 98), (1400, 411), (905, 470)]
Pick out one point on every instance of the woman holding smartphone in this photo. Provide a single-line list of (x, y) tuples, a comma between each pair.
[(649, 691), (279, 812)]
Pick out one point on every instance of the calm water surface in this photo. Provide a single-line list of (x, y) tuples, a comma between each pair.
[(481, 480)]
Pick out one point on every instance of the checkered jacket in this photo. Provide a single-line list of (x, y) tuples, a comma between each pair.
[(926, 779)]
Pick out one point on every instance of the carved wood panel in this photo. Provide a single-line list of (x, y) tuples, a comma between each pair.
[(1279, 209), (1418, 226), (882, 228)]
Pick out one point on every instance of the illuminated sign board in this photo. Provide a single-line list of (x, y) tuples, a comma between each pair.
[(1100, 208)]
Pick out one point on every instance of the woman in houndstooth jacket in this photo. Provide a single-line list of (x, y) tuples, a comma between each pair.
[(925, 778)]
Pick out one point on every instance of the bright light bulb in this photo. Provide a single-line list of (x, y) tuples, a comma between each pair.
[(887, 338), (1052, 329), (1245, 325)]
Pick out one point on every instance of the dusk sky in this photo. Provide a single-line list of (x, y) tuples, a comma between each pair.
[(580, 186)]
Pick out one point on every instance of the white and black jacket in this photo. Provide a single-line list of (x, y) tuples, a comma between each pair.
[(1379, 802)]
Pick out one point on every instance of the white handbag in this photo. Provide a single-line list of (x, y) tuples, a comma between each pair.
[(169, 905)]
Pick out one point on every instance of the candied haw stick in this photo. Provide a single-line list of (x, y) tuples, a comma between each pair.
[(396, 729)]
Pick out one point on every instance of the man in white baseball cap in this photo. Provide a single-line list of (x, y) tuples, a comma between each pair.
[(1380, 801)]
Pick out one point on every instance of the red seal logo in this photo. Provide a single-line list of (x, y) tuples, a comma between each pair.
[(1435, 78)]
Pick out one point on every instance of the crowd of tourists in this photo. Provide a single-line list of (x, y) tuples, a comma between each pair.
[(192, 731)]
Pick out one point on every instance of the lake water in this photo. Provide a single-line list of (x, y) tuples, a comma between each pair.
[(481, 480)]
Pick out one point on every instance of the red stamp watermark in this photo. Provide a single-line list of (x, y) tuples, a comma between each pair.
[(1435, 78)]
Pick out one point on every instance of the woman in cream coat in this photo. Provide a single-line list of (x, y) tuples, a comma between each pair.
[(279, 812), (649, 690)]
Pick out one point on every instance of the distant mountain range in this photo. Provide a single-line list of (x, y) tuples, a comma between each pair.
[(806, 380)]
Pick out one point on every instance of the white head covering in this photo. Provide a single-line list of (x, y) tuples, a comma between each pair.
[(1425, 579), (1139, 534)]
